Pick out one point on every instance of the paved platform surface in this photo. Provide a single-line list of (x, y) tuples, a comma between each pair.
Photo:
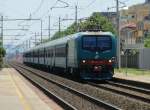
[(16, 93), (140, 78)]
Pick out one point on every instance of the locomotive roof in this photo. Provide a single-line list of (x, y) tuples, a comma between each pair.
[(65, 39)]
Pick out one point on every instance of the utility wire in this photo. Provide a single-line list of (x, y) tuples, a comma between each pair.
[(91, 3), (54, 6), (34, 12), (66, 4), (126, 1), (38, 8)]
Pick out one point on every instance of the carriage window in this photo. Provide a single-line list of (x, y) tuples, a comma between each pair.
[(50, 53), (61, 52)]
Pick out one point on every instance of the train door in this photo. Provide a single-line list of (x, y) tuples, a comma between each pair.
[(44, 55), (47, 58), (38, 56), (54, 55), (51, 56), (67, 56)]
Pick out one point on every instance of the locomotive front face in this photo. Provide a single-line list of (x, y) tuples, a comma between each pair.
[(97, 56)]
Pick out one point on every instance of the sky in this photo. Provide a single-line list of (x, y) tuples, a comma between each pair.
[(41, 9)]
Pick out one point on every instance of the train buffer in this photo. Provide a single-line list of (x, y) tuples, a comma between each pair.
[(16, 93)]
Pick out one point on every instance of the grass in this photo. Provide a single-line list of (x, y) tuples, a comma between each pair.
[(133, 71), (6, 66)]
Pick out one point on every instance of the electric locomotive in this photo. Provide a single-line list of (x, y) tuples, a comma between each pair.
[(88, 55)]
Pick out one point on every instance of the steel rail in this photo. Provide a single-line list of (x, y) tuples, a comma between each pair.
[(136, 89), (143, 85), (57, 99), (94, 100), (124, 93)]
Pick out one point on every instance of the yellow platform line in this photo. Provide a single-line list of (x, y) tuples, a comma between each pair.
[(24, 102)]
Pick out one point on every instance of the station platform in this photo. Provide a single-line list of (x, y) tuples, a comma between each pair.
[(140, 78), (16, 93)]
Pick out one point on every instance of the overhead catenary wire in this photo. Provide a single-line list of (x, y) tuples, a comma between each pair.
[(34, 12), (56, 3), (65, 4), (91, 3), (38, 8)]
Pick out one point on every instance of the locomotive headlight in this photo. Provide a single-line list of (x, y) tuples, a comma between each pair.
[(95, 67), (83, 61), (110, 61)]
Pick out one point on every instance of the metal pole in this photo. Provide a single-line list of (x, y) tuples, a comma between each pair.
[(26, 44), (126, 54), (23, 46), (49, 27), (41, 30), (2, 31), (59, 27), (35, 39), (118, 33), (29, 43), (76, 18)]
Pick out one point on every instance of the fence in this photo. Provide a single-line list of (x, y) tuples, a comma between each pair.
[(130, 61), (144, 58), (140, 60)]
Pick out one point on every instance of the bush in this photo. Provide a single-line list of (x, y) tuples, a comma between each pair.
[(147, 42), (2, 54)]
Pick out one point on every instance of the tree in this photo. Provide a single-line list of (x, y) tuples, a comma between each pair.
[(147, 42), (2, 54), (70, 30), (94, 22), (97, 21)]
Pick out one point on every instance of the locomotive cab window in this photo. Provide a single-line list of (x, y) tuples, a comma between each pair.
[(89, 42), (97, 43)]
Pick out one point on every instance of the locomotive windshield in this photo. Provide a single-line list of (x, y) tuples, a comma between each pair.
[(97, 43)]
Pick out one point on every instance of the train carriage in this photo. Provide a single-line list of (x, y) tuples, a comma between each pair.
[(89, 55)]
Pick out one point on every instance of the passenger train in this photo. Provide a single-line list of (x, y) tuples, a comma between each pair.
[(88, 55)]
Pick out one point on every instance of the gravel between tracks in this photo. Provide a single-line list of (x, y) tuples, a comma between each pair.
[(79, 102), (118, 100), (126, 90), (122, 102)]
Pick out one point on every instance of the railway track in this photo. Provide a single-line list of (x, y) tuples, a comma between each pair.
[(50, 94), (141, 85), (125, 90), (113, 98), (131, 87), (89, 101)]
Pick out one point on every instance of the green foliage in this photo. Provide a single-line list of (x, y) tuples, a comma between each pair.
[(70, 30), (133, 71), (147, 42), (96, 21), (2, 54)]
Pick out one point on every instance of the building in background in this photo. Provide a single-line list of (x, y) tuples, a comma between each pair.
[(147, 1), (135, 25)]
